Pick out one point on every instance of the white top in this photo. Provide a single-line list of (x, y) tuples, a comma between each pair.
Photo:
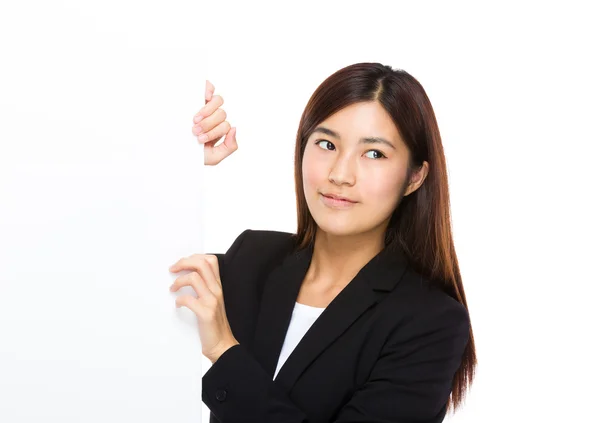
[(303, 317)]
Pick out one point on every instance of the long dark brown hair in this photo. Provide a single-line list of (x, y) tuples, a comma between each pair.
[(420, 225)]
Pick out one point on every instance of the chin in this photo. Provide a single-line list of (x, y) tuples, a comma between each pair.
[(336, 226)]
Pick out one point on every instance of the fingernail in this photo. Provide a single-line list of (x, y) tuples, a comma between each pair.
[(198, 118), (203, 138)]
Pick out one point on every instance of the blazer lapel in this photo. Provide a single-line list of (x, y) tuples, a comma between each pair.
[(369, 286)]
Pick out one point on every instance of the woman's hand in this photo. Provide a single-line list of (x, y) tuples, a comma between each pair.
[(215, 333), (210, 126)]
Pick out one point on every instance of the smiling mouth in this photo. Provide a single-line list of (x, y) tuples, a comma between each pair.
[(340, 198), (335, 202)]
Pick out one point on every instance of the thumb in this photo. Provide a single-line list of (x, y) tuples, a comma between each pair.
[(214, 154), (208, 91), (229, 144)]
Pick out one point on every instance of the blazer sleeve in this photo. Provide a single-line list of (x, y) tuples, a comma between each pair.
[(411, 381), (226, 258)]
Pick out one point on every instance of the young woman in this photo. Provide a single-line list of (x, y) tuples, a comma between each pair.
[(361, 315)]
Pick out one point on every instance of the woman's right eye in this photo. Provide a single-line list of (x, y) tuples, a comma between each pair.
[(320, 141)]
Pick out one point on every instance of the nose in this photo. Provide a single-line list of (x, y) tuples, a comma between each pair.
[(342, 172)]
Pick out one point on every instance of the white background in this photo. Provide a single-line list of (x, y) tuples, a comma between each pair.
[(102, 186)]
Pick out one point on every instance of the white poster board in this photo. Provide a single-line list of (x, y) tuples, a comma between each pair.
[(100, 191)]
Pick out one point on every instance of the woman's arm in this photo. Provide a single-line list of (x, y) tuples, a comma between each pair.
[(410, 382)]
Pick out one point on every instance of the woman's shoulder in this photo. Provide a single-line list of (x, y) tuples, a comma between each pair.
[(426, 302), (258, 248), (268, 236), (266, 240)]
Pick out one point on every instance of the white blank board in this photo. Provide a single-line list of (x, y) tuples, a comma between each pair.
[(100, 191)]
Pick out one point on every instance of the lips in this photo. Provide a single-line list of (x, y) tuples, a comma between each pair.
[(338, 197)]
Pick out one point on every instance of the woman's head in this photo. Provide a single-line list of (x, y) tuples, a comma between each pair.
[(367, 100), (357, 153), (403, 198)]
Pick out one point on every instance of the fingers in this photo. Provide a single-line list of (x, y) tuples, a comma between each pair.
[(205, 310), (205, 299), (205, 267), (210, 126), (192, 262), (209, 108), (188, 301), (210, 122), (209, 116), (193, 279), (215, 133)]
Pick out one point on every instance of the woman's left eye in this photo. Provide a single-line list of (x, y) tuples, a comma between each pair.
[(381, 155)]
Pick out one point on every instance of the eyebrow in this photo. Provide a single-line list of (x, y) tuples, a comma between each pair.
[(364, 140)]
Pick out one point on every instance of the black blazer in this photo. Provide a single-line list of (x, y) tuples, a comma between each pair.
[(384, 350)]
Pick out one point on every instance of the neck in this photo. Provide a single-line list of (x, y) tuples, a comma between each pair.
[(337, 259)]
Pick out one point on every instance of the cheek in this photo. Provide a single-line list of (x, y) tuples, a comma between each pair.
[(310, 173), (384, 191)]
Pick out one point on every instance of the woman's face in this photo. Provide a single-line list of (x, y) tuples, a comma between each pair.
[(347, 155)]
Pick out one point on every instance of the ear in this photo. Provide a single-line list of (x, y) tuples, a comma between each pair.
[(417, 178)]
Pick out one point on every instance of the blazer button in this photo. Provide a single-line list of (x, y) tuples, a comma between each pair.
[(221, 395)]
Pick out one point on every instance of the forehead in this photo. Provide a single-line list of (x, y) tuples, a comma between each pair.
[(362, 119)]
